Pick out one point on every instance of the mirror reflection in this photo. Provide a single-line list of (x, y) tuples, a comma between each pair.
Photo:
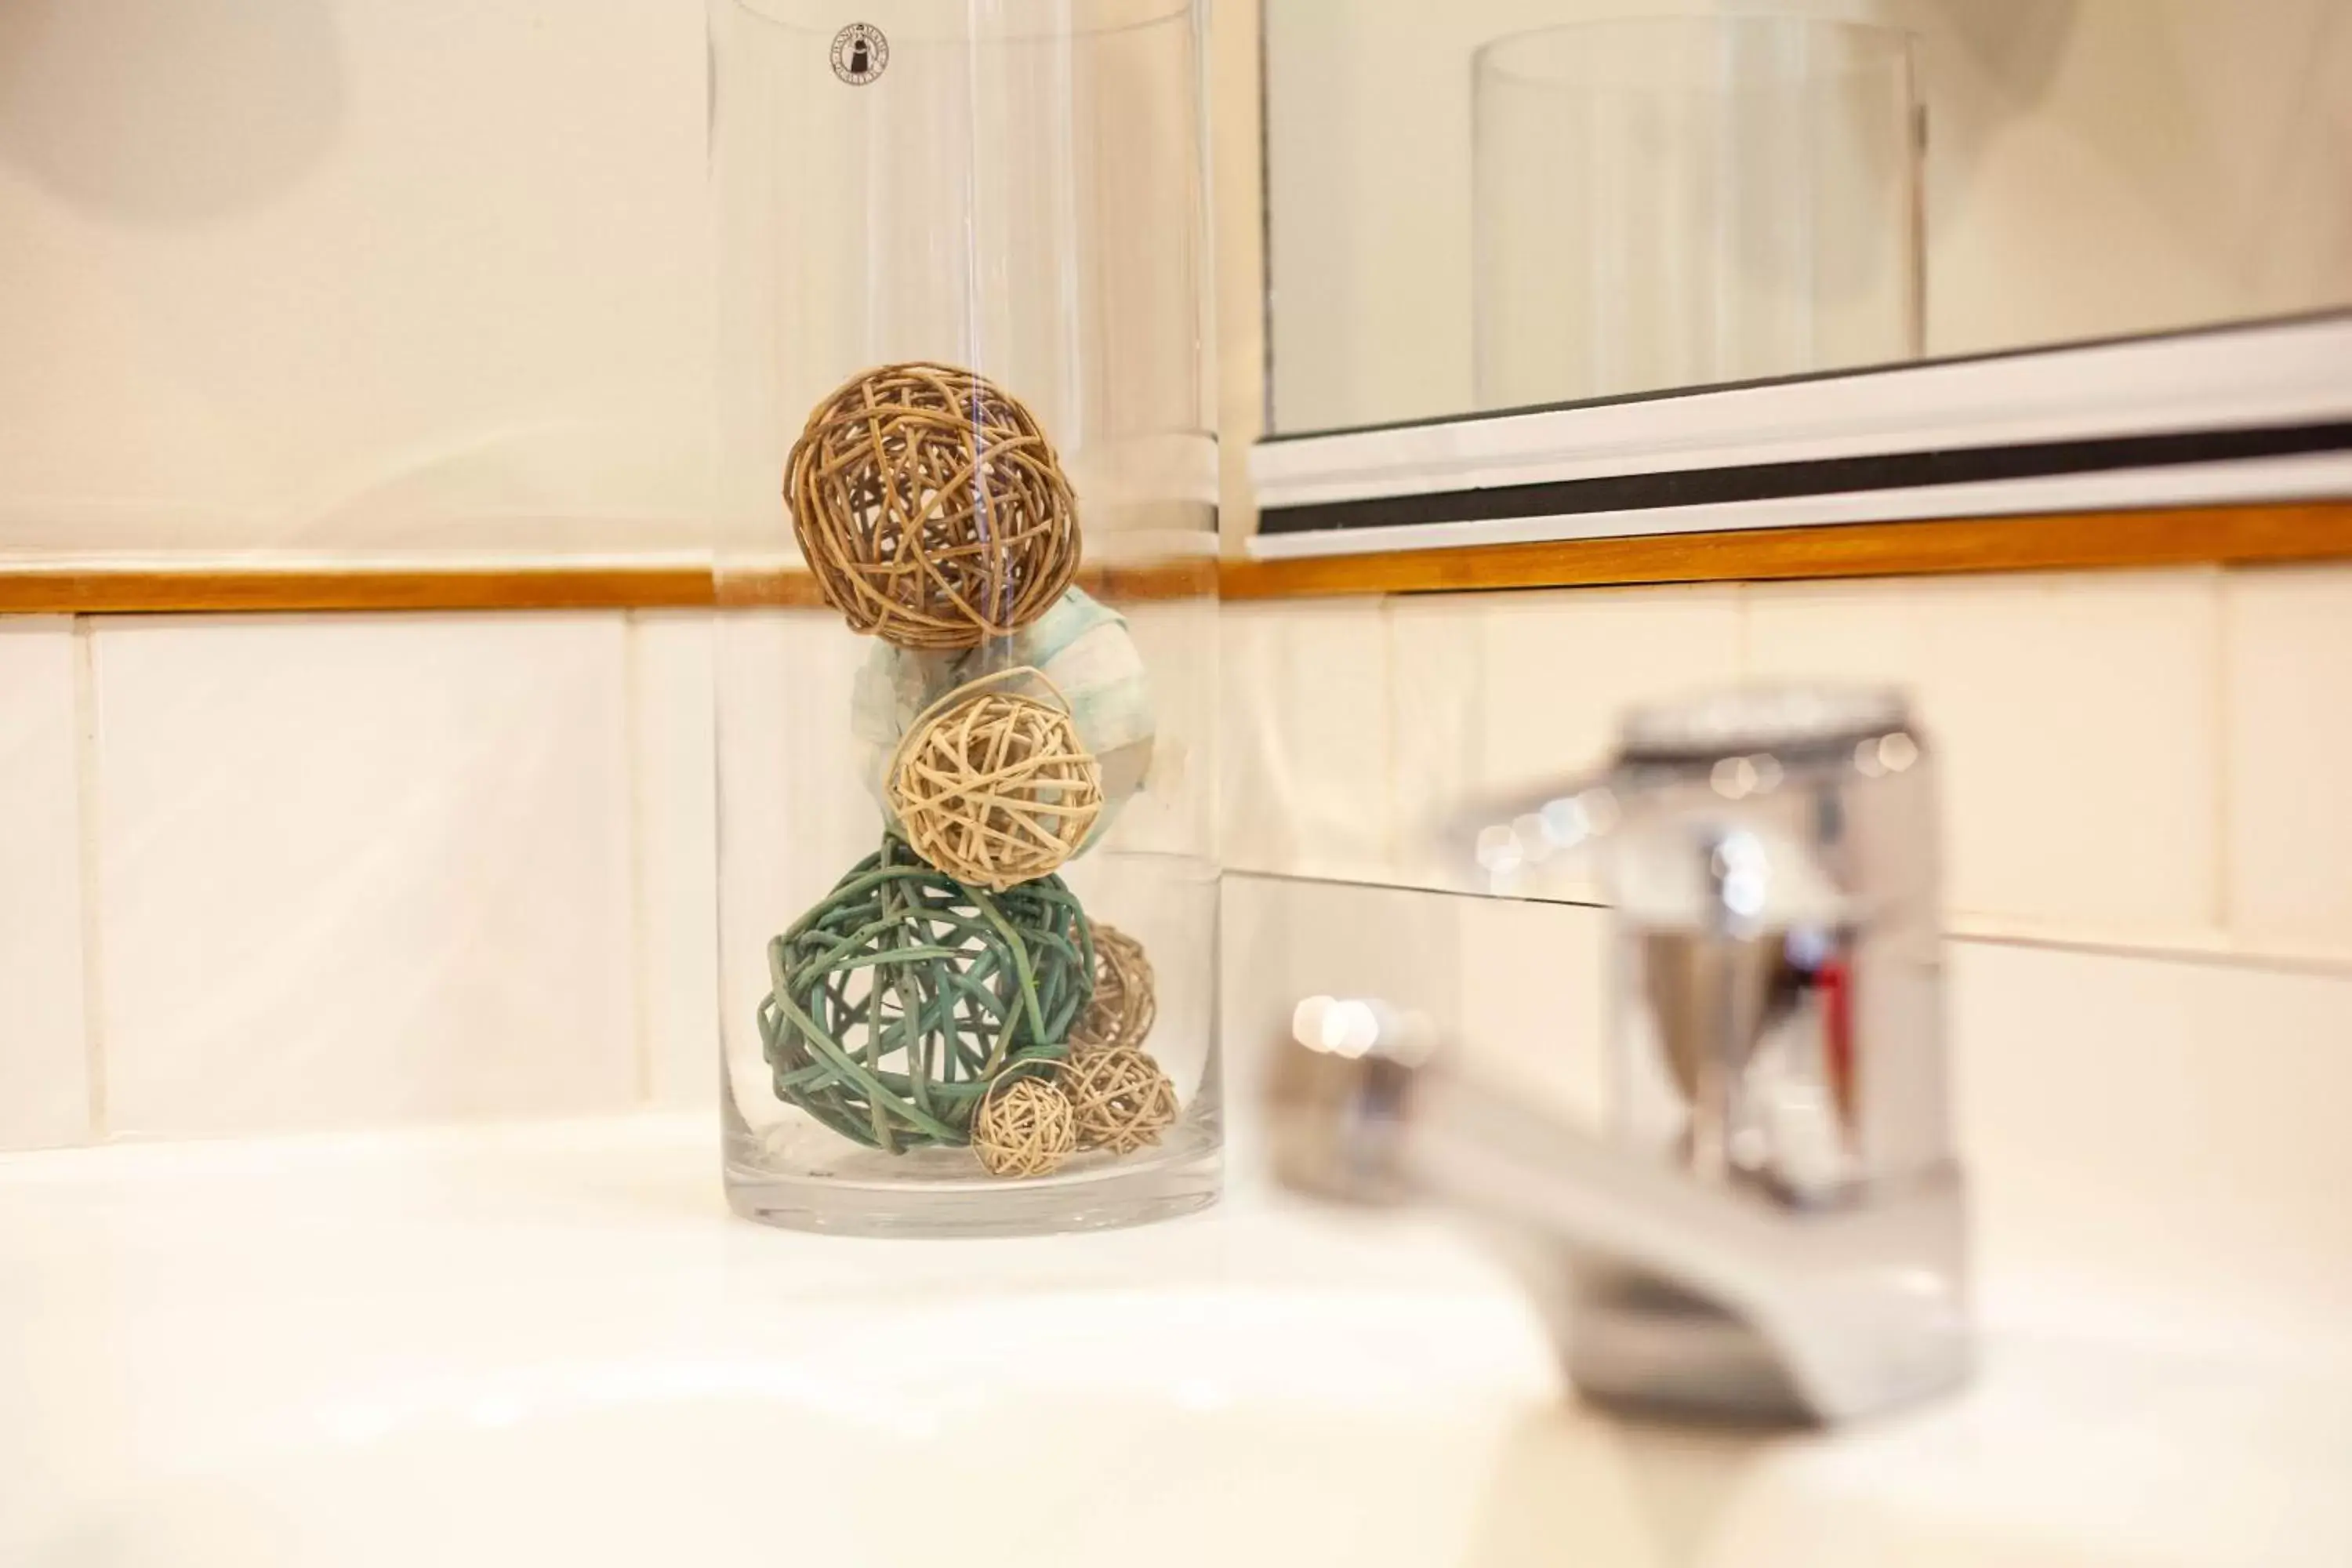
[(1498, 204)]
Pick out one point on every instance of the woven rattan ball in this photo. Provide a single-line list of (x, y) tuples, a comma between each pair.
[(1123, 1009), (1025, 1127), (993, 788), (1081, 649), (1121, 1098), (930, 508), (904, 995)]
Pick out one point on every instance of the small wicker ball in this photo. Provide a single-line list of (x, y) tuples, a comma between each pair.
[(930, 508), (1025, 1127), (1120, 1098), (1123, 1008), (994, 789)]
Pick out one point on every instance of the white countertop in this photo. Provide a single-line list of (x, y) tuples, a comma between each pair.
[(552, 1343)]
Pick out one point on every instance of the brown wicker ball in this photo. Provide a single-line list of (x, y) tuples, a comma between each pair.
[(1025, 1127), (993, 788), (1121, 1100), (930, 508), (1123, 1008)]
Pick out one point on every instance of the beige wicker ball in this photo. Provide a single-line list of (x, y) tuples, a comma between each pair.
[(1123, 1008), (1121, 1098), (1025, 1127), (930, 508), (992, 788)]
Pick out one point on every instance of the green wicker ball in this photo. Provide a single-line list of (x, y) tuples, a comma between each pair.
[(904, 994)]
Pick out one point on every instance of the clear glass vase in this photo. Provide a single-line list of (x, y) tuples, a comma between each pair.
[(966, 655), (1664, 202)]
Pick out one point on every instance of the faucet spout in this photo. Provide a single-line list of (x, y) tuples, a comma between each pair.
[(1665, 1291)]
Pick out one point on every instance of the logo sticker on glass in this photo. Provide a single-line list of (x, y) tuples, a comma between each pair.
[(859, 53)]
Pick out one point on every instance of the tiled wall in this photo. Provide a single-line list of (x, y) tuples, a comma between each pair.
[(332, 276), (263, 875), (2149, 871), (2143, 760), (44, 1061), (287, 873)]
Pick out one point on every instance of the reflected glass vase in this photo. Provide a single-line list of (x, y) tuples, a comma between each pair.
[(1675, 201)]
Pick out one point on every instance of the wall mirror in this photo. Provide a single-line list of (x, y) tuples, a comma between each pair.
[(1510, 205), (1500, 203)]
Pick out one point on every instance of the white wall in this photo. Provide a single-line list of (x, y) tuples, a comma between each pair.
[(352, 275), (358, 277), (2096, 167)]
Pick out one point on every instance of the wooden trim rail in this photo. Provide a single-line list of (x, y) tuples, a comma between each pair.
[(216, 590), (2072, 541)]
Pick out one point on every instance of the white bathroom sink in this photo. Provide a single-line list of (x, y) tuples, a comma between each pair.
[(549, 1345)]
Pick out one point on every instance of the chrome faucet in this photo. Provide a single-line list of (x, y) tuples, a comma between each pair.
[(1773, 1225)]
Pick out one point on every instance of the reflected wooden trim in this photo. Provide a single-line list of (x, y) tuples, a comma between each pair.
[(2069, 542), (792, 589), (779, 588), (2063, 542)]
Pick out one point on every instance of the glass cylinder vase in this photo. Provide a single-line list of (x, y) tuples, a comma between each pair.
[(967, 637), (1664, 202)]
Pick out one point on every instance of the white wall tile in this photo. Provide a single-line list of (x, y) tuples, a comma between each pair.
[(1871, 631), (1438, 705), (2161, 1125), (1534, 1001), (363, 870), (2080, 731), (1175, 814), (1498, 693), (1282, 940), (677, 854), (44, 1062), (2288, 641), (1514, 988), (1562, 666), (1305, 766), (2078, 725)]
